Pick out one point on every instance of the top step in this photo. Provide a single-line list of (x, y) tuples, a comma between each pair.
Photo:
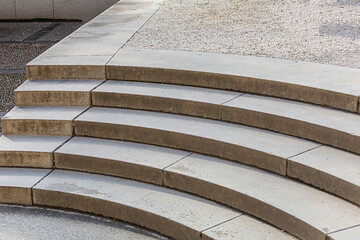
[(327, 85)]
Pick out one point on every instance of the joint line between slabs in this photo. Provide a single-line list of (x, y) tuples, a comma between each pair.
[(240, 214), (32, 188), (320, 145), (232, 99), (343, 229), (73, 121), (91, 91), (53, 153), (188, 155)]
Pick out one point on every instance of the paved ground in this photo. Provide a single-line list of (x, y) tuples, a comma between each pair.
[(32, 223), (324, 31), (20, 42)]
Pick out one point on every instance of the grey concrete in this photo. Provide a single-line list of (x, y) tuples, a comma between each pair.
[(40, 120), (235, 229), (264, 149), (300, 210), (34, 223), (55, 93), (348, 234), (170, 212), (310, 82), (328, 168), (162, 97), (16, 184), (29, 151), (124, 159)]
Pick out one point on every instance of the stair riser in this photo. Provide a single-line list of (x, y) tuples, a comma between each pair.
[(108, 167), (236, 83), (37, 127), (183, 142), (168, 105), (26, 159), (113, 210), (43, 98), (15, 195)]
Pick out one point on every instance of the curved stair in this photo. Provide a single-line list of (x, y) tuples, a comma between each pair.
[(136, 134)]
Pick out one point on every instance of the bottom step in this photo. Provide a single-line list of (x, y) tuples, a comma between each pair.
[(172, 213)]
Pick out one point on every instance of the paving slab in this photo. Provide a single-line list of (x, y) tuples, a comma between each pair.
[(16, 184), (303, 211), (309, 82), (67, 67), (29, 151), (348, 234), (328, 126), (55, 92), (34, 223), (40, 120), (330, 169), (162, 97), (117, 158), (264, 149), (169, 212), (235, 229)]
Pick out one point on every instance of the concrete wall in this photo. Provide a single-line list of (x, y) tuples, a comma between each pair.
[(52, 9)]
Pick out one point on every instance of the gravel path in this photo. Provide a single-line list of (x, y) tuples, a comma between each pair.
[(324, 31)]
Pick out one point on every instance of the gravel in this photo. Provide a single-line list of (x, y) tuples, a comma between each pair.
[(323, 31), (8, 83)]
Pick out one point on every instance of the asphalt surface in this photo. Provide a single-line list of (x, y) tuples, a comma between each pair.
[(21, 42), (33, 223)]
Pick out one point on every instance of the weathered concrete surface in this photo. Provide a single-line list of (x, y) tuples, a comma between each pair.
[(327, 85), (40, 120), (267, 150), (34, 223), (303, 211), (55, 93), (29, 151), (180, 216)]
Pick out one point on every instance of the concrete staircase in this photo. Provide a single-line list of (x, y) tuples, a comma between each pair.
[(191, 145)]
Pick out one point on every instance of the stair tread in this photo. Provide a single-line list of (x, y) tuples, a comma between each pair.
[(134, 153), (348, 234), (168, 91), (21, 177), (30, 143), (321, 210), (59, 85), (262, 140), (44, 113)]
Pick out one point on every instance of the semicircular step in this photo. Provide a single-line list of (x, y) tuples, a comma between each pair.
[(169, 212)]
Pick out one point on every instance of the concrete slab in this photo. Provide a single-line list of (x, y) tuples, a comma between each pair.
[(34, 223), (16, 184), (330, 169), (55, 92), (162, 97), (40, 120), (172, 213), (67, 67), (247, 145), (328, 126), (348, 234), (116, 158), (298, 209), (235, 229), (29, 151), (309, 82)]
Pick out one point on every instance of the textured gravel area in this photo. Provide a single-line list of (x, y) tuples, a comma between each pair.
[(32, 223), (8, 83), (324, 31)]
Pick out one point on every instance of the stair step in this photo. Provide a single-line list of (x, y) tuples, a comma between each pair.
[(260, 148), (321, 84), (29, 151), (192, 101), (40, 120), (55, 92), (328, 126), (349, 234), (172, 213), (16, 184), (300, 210), (117, 158)]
